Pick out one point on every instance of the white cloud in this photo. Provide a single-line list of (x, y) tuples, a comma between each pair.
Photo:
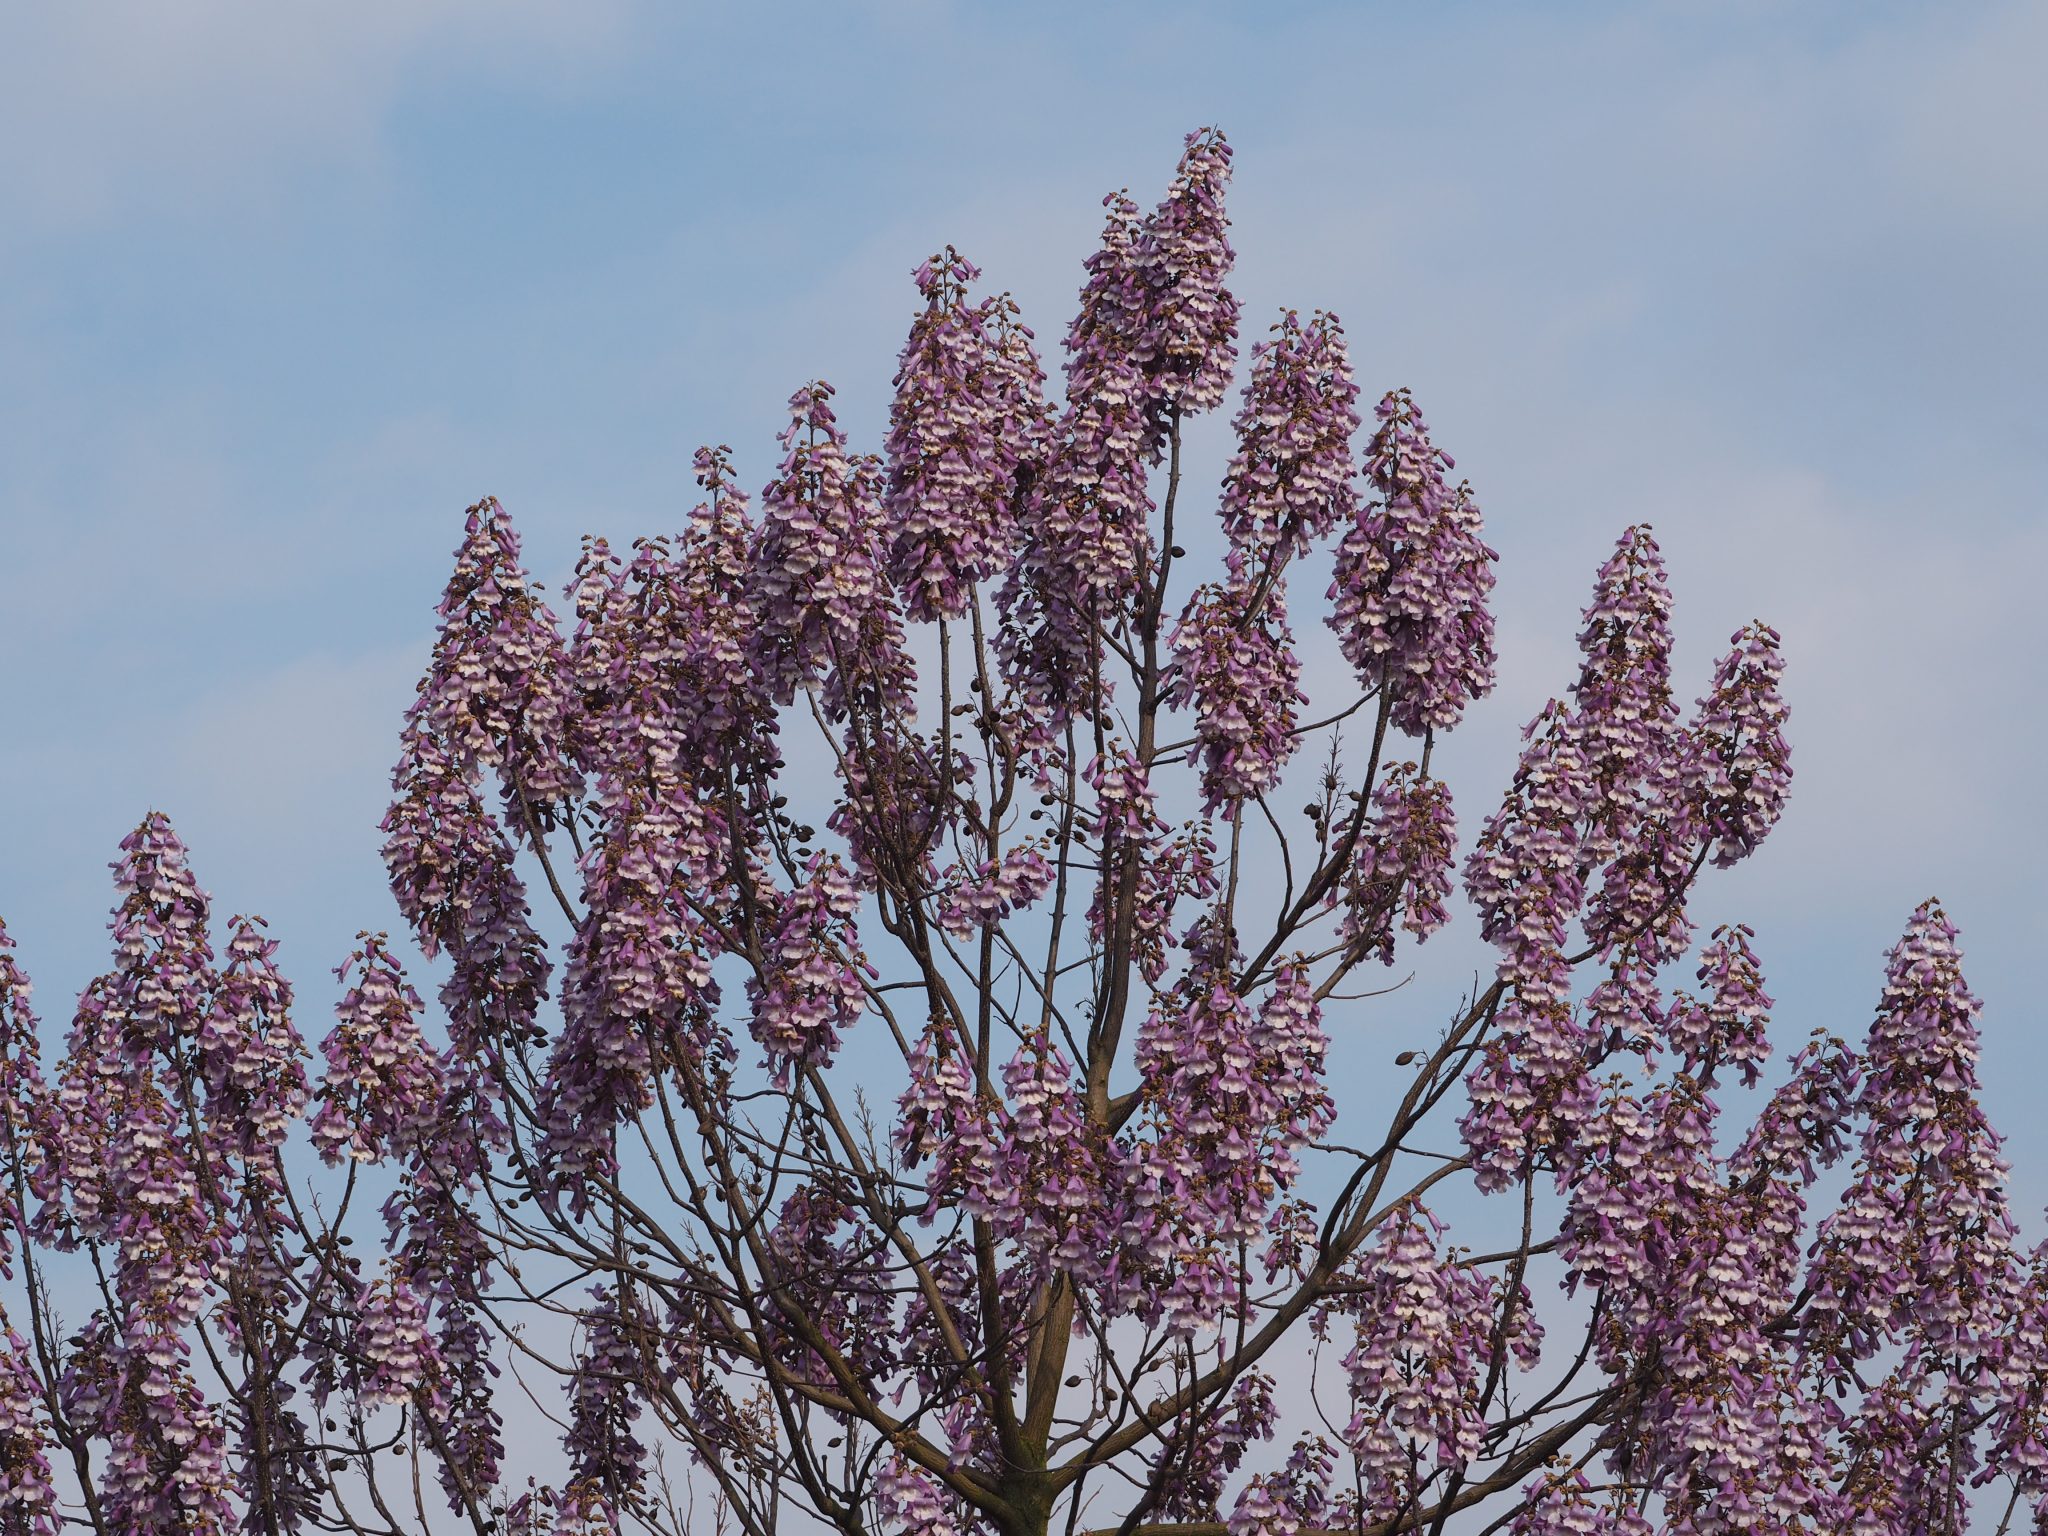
[(137, 101)]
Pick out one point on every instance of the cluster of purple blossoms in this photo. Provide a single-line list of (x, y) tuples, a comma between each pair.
[(663, 652), (1087, 539), (500, 694), (1049, 1172), (605, 1395), (28, 1499), (1637, 820), (130, 1179), (809, 988), (639, 979), (1291, 480), (994, 890), (1302, 1492), (1145, 867), (1197, 1459), (452, 871), (383, 1083), (1184, 334), (251, 1061), (1566, 1504), (664, 659), (1425, 1344), (1233, 1093), (396, 1354), (965, 435), (1412, 578), (497, 693), (1623, 717), (1919, 1248), (1155, 340), (830, 1308), (1531, 1085), (943, 1116), (1399, 871), (824, 611), (417, 1334), (1727, 1028), (1234, 664), (1741, 762), (911, 1503), (28, 1128), (580, 1509)]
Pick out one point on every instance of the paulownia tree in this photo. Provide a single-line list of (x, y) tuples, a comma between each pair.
[(933, 1134)]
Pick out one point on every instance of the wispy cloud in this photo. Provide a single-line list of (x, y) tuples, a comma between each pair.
[(130, 101)]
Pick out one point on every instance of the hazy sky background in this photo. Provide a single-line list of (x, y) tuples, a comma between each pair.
[(283, 288)]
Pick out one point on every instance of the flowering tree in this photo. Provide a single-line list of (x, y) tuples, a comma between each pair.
[(954, 1154)]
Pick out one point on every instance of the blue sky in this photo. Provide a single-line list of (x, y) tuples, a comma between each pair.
[(283, 288)]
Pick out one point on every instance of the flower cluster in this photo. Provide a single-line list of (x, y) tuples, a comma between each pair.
[(1234, 664), (662, 655), (1412, 579), (638, 980), (383, 1083), (1141, 863), (1199, 1452), (809, 988), (1086, 540), (1187, 335), (499, 692), (828, 1293), (1425, 1342), (1919, 1248), (964, 435), (1565, 1504), (824, 611), (1050, 1174), (1290, 480), (396, 1355), (28, 1130), (134, 1181), (1531, 1087), (1624, 718), (908, 1501), (28, 1496), (994, 890), (1727, 1027), (1234, 1093), (250, 1058), (604, 1448), (1155, 340), (941, 1115), (1742, 764), (1281, 1503), (1399, 869)]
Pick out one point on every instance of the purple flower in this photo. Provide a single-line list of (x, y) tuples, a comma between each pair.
[(1741, 769), (382, 1083), (823, 607), (497, 691), (1234, 664), (809, 989), (1412, 579), (1290, 481), (964, 436), (1186, 332)]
